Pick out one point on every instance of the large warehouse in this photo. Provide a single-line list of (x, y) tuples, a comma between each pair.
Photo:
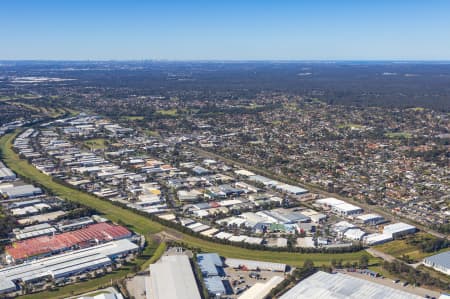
[(6, 174), (67, 264), (20, 191), (47, 245), (172, 278), (341, 286), (370, 219), (440, 262), (339, 207), (399, 229)]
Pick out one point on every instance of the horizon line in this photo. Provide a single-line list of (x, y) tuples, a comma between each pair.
[(229, 60)]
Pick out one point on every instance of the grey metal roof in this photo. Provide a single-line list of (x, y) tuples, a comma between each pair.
[(208, 263), (18, 191), (215, 285), (397, 228), (441, 259), (6, 285), (6, 173)]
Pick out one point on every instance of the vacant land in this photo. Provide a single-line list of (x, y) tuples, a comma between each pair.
[(399, 248)]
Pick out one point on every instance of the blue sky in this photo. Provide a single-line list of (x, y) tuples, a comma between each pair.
[(225, 29)]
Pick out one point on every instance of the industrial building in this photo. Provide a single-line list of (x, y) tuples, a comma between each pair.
[(255, 265), (399, 229), (295, 190), (260, 290), (12, 192), (172, 278), (189, 196), (376, 239), (7, 286), (47, 245), (34, 231), (339, 286), (108, 293), (211, 266), (64, 265), (370, 219), (440, 262), (354, 234), (339, 207), (6, 174), (215, 286)]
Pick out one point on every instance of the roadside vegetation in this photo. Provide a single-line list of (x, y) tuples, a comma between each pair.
[(414, 248)]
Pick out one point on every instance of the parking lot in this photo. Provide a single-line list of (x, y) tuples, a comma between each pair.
[(241, 280)]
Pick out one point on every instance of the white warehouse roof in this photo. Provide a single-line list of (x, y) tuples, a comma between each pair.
[(354, 234), (368, 217), (338, 204), (397, 227), (377, 238), (341, 286), (172, 278), (260, 290)]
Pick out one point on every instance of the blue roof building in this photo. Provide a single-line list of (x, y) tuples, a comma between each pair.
[(210, 264), (215, 286)]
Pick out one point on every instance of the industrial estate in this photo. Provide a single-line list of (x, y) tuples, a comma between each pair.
[(224, 149), (193, 202)]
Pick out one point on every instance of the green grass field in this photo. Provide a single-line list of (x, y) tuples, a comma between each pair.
[(168, 112), (152, 133), (96, 143)]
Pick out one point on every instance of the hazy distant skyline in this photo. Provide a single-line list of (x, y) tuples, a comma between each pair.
[(225, 30)]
